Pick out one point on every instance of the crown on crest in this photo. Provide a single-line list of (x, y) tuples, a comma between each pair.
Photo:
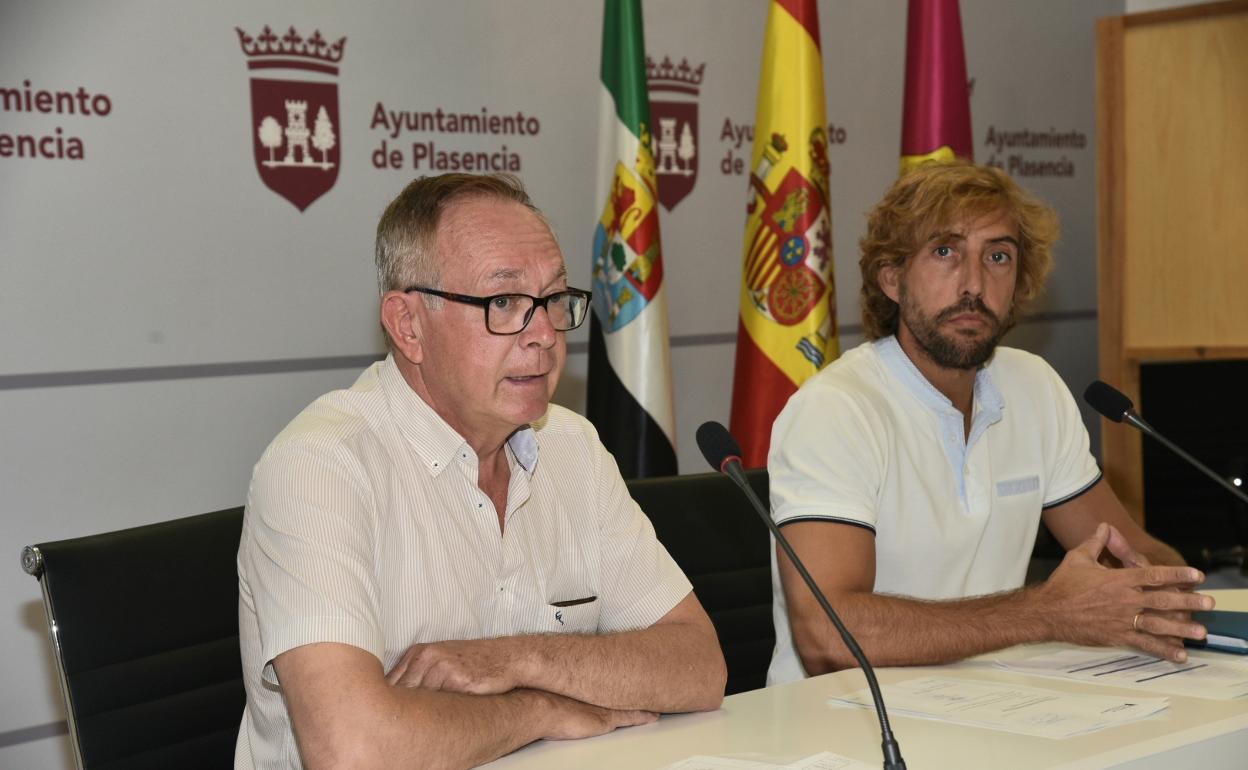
[(291, 50), (666, 76)]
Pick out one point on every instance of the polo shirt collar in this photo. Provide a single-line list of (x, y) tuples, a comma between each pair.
[(435, 442), (988, 398), (988, 407)]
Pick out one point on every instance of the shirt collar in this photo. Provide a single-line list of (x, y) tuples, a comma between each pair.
[(988, 398), (435, 442), (523, 445)]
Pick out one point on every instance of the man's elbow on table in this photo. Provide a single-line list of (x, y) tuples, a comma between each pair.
[(696, 652), (342, 711), (345, 742), (711, 696), (819, 647)]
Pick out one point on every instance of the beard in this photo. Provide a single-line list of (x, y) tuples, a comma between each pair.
[(954, 350)]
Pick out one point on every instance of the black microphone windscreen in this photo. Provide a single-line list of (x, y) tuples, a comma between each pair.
[(1107, 400), (716, 443)]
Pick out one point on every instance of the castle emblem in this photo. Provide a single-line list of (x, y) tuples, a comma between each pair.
[(295, 129), (675, 116)]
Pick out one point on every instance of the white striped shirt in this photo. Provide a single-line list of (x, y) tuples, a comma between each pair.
[(365, 526)]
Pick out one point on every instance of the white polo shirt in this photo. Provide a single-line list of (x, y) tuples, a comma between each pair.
[(869, 442), (365, 526)]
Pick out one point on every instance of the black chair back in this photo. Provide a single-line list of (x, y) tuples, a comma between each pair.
[(144, 623), (709, 528)]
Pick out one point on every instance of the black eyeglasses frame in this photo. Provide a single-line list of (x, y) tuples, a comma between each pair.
[(484, 303)]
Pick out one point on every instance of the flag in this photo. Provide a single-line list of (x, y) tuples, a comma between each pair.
[(787, 328), (629, 396), (936, 119)]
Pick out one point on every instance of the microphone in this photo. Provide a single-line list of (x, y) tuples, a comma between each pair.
[(724, 454), (1114, 405)]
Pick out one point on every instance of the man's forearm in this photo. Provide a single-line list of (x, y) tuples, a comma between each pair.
[(668, 667), (671, 666), (897, 631), (345, 714), (435, 729), (420, 727), (1082, 602), (453, 730), (665, 668)]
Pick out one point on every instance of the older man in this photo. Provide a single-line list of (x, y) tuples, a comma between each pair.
[(912, 473), (437, 565)]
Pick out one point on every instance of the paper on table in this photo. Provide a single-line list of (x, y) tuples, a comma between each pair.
[(1007, 707), (1204, 675), (703, 762), (824, 760)]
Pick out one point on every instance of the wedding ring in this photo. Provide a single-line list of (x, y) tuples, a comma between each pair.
[(1135, 622)]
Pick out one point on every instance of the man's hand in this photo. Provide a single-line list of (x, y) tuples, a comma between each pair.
[(476, 666), (1118, 547), (1086, 602), (572, 719)]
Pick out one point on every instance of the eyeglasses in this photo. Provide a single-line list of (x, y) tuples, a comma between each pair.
[(511, 313)]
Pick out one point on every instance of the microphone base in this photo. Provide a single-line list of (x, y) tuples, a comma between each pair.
[(892, 754)]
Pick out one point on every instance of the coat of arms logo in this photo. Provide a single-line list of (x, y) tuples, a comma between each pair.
[(791, 242), (675, 115), (295, 129), (628, 266)]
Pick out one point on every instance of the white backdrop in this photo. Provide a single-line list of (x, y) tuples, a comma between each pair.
[(164, 313)]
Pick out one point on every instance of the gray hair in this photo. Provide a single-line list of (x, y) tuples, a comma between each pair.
[(408, 228)]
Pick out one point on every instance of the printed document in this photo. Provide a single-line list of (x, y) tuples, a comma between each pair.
[(1008, 707), (1204, 675)]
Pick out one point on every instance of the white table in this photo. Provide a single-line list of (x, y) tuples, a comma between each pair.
[(793, 721)]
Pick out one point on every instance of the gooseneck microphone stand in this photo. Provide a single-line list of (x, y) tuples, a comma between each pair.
[(721, 450)]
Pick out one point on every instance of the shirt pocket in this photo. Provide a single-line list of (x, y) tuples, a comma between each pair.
[(574, 616), (1023, 485), (1019, 497)]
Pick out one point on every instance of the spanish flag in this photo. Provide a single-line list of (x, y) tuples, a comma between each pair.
[(936, 119), (629, 396), (787, 328)]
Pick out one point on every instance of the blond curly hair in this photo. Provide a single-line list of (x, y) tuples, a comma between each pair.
[(930, 199)]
